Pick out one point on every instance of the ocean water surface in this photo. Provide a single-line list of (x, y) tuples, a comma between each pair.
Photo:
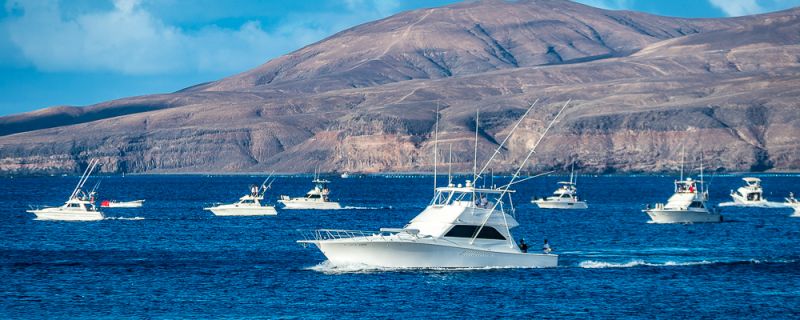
[(171, 259)]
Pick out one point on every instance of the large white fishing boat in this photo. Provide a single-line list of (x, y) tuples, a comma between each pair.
[(749, 194), (248, 205), (565, 197), (79, 206), (316, 198), (687, 205), (463, 227)]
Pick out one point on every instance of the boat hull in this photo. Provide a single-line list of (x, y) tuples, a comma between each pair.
[(742, 201), (66, 215), (243, 211), (309, 205), (682, 216), (402, 254), (560, 204)]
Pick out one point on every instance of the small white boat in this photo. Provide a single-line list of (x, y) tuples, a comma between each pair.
[(462, 227), (121, 204), (316, 198), (345, 175), (749, 194), (687, 205), (79, 206), (565, 197), (248, 205)]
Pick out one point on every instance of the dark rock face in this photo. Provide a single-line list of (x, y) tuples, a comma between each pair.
[(642, 87)]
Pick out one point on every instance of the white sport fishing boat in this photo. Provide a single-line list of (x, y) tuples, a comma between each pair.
[(248, 205), (687, 205), (462, 227), (121, 204), (79, 206), (749, 194), (316, 198), (565, 197)]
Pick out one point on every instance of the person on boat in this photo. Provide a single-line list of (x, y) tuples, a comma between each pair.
[(546, 248), (253, 190), (523, 246), (484, 201)]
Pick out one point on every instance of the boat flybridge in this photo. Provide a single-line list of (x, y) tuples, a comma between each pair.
[(565, 197), (248, 205), (79, 206), (687, 205), (463, 226), (316, 198), (749, 194)]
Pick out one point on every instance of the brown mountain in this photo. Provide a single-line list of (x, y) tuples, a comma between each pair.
[(641, 86)]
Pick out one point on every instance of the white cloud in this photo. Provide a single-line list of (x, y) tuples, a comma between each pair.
[(736, 8), (128, 39)]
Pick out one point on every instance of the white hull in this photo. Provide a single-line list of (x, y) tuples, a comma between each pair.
[(682, 216), (309, 205), (425, 255), (55, 214), (243, 211), (744, 202), (544, 204)]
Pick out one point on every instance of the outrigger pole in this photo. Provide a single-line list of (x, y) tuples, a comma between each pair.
[(435, 148), (496, 151), (516, 174)]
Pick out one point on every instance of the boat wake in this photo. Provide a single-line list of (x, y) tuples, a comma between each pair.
[(327, 267), (363, 208), (768, 204), (124, 218), (592, 264)]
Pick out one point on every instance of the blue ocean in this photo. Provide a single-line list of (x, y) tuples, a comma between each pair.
[(171, 259)]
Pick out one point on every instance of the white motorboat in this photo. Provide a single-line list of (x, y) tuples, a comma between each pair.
[(749, 194), (121, 204), (248, 205), (316, 198), (687, 205), (462, 227), (79, 206), (345, 175), (565, 197)]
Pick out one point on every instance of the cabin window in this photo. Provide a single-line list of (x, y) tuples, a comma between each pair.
[(469, 231), (696, 204), (74, 205), (313, 196)]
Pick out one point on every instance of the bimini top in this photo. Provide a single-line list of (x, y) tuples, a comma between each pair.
[(752, 181)]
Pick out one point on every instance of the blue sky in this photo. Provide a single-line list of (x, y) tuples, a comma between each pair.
[(80, 52)]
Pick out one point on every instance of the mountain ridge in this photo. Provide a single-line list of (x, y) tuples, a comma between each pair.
[(731, 81)]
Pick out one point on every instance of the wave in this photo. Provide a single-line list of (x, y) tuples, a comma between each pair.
[(363, 208), (124, 218), (592, 264), (327, 267), (768, 204)]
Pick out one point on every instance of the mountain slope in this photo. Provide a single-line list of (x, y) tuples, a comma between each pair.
[(727, 86)]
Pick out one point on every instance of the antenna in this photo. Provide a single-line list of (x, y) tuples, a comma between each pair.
[(475, 159), (683, 158), (496, 151), (572, 173), (435, 147), (450, 167)]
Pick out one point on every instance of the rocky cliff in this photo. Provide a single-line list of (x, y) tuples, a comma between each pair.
[(642, 87)]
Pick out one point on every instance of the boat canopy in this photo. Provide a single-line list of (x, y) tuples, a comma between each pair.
[(752, 181)]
